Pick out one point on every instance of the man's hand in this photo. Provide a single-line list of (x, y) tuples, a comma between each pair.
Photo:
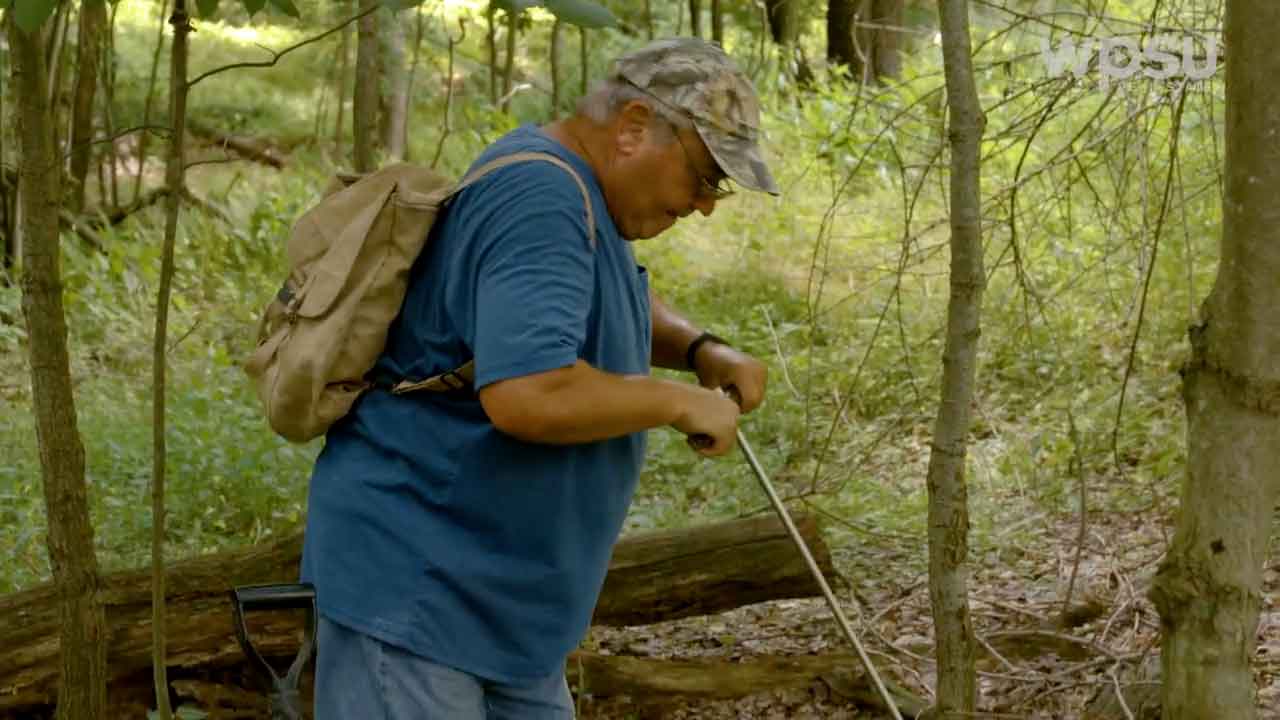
[(720, 366), (710, 419)]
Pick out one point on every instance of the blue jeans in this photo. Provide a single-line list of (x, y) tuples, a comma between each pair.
[(359, 677)]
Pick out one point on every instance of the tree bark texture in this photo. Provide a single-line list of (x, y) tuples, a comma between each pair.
[(1208, 588), (841, 49), (364, 106), (146, 104), (56, 61), (887, 41), (679, 573), (554, 52), (653, 577), (871, 53), (174, 180), (344, 76), (93, 22), (8, 194), (583, 56), (783, 20), (491, 30), (73, 599), (395, 79), (609, 675), (111, 197), (8, 251), (948, 514), (509, 65)]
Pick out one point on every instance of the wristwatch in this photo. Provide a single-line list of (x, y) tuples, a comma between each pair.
[(692, 352)]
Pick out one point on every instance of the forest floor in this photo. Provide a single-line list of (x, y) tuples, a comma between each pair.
[(1032, 667)]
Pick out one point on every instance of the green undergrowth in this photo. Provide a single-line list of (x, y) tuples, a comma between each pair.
[(844, 300)]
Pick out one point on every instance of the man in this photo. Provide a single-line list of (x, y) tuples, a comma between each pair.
[(458, 543)]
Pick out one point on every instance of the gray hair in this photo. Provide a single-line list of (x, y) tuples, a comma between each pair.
[(609, 96)]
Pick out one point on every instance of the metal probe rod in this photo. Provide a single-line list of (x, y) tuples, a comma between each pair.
[(817, 573)]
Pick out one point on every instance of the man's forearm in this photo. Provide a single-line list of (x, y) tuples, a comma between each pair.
[(581, 404), (672, 333)]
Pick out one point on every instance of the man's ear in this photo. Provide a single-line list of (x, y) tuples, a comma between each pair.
[(633, 127)]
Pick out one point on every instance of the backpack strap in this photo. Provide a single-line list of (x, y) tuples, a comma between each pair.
[(520, 157), (463, 377)]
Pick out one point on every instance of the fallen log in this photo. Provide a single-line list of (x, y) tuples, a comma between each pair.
[(672, 574), (643, 679), (609, 675), (255, 149), (655, 576)]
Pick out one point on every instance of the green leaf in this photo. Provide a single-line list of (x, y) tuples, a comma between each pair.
[(254, 6), (515, 7), (30, 14), (582, 13), (206, 8), (287, 7), (397, 5)]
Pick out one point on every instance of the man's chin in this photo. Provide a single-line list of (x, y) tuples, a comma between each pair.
[(646, 230)]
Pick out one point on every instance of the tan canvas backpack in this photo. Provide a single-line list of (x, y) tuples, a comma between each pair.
[(349, 259)]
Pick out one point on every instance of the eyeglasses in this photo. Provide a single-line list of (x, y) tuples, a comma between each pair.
[(718, 190)]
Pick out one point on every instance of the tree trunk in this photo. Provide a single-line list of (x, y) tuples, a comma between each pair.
[(872, 51), (554, 52), (648, 20), (948, 496), (395, 103), (93, 21), (55, 55), (717, 22), (146, 104), (448, 93), (108, 96), (695, 18), (174, 180), (79, 625), (841, 49), (583, 57), (364, 108), (1208, 588), (886, 43), (783, 17), (8, 238), (492, 45), (419, 24), (344, 75), (652, 577), (508, 69)]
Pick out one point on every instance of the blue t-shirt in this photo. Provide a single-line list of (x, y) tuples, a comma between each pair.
[(427, 527)]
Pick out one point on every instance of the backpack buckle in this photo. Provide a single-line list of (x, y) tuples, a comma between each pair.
[(454, 380), (289, 299)]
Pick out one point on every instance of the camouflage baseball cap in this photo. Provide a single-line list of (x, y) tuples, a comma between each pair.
[(699, 79)]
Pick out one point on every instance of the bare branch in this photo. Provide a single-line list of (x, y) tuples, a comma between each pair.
[(275, 56)]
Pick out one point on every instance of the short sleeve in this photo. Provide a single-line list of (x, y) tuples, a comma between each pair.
[(534, 275)]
